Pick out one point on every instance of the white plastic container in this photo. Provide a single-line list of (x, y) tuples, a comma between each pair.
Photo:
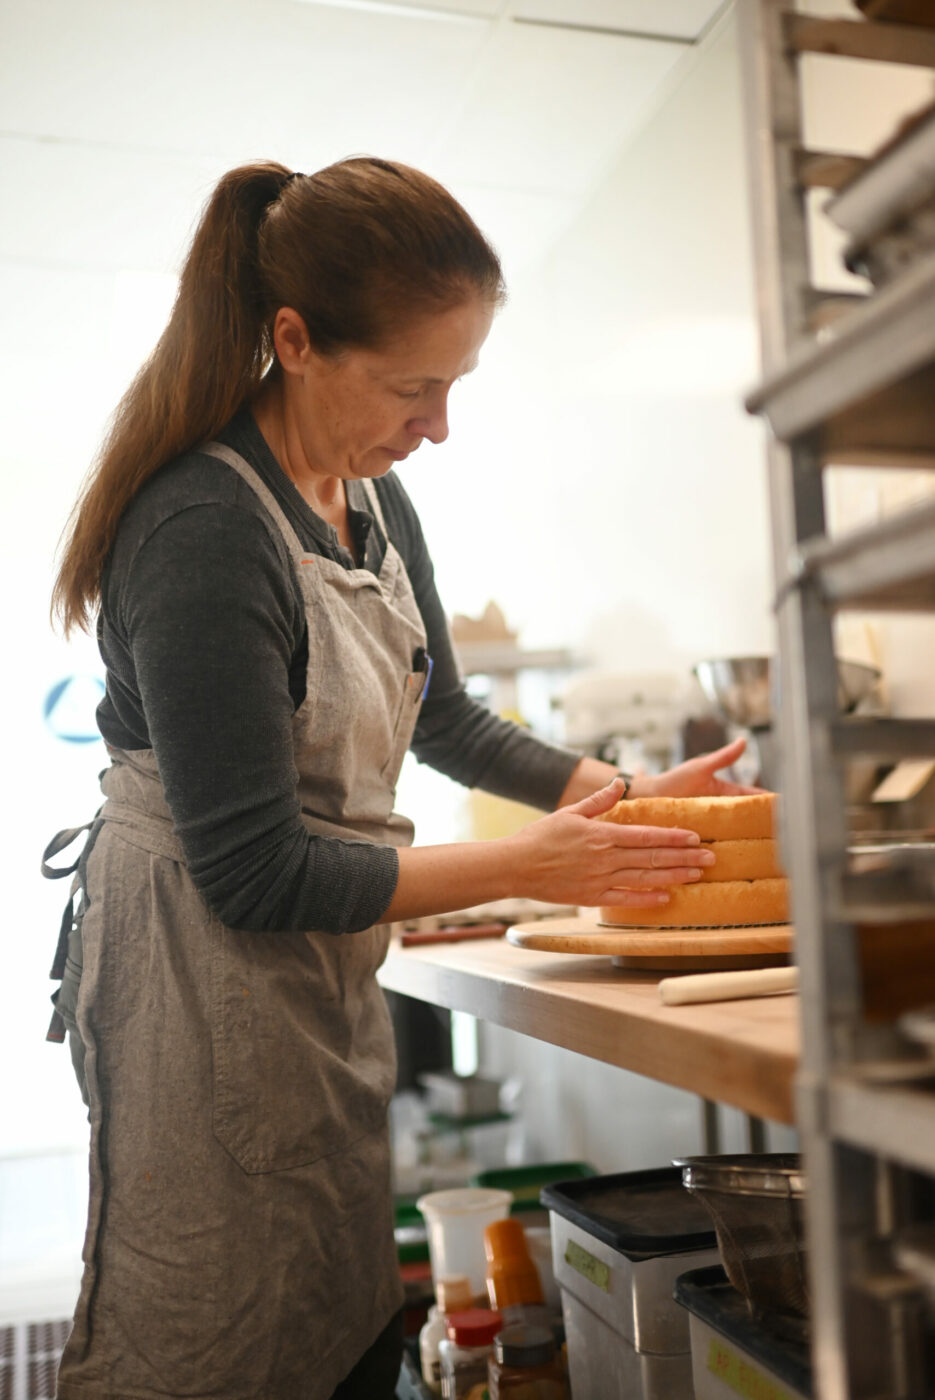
[(455, 1223), (733, 1353), (618, 1244), (460, 1095)]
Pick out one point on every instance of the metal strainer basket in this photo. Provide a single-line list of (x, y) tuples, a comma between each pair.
[(757, 1204)]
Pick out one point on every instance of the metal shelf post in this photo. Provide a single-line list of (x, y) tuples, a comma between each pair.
[(868, 1326)]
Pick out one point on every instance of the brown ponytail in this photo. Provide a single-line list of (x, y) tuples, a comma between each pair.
[(359, 249)]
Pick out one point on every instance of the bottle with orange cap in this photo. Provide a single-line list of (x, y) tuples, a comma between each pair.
[(513, 1282)]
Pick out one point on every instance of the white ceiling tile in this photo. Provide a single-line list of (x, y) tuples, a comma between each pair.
[(550, 107), (255, 77), (675, 18), (119, 116), (485, 9)]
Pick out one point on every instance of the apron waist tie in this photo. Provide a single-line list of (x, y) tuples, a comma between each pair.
[(149, 833), (71, 915), (142, 829)]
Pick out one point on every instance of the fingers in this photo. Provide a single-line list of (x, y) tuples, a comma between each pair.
[(722, 758), (664, 857), (646, 878), (601, 801), (638, 836), (633, 899)]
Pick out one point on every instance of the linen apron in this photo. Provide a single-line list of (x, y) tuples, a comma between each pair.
[(240, 1234)]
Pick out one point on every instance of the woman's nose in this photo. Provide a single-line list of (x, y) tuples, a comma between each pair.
[(433, 424)]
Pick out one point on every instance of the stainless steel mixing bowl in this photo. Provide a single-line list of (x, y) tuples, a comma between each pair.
[(757, 1203), (740, 686)]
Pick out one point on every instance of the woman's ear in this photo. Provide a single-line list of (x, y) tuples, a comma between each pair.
[(291, 342)]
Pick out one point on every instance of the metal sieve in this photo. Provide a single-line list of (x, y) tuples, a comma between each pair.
[(757, 1204)]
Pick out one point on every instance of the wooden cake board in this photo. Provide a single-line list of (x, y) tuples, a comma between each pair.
[(665, 949)]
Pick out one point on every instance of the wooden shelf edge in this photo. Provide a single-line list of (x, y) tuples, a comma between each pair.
[(741, 1054)]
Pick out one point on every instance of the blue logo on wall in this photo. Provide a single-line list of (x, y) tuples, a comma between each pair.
[(70, 706)]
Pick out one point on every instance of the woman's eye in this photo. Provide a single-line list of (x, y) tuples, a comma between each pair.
[(408, 393)]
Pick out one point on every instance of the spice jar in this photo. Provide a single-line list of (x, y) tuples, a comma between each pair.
[(524, 1366), (465, 1352)]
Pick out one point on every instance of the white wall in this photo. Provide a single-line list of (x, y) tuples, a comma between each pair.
[(609, 484), (649, 540), (646, 339)]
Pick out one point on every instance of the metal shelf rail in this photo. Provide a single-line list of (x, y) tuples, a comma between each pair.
[(866, 940)]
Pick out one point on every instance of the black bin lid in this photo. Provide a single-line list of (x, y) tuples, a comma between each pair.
[(640, 1214)]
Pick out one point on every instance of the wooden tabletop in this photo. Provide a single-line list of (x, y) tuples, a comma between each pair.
[(742, 1053)]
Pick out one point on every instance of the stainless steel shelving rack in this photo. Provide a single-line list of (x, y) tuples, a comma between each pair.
[(865, 394)]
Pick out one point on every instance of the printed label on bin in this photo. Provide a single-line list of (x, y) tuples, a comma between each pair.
[(741, 1376), (594, 1270)]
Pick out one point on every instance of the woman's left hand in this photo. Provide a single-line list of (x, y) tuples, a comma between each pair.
[(697, 777)]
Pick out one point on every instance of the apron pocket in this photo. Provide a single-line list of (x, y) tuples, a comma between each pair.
[(404, 726), (302, 1047)]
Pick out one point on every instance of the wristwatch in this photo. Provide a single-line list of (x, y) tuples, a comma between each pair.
[(627, 781)]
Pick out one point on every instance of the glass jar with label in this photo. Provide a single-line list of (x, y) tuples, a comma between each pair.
[(465, 1352), (525, 1366)]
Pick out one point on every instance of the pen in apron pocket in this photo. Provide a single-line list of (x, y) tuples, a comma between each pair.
[(422, 663)]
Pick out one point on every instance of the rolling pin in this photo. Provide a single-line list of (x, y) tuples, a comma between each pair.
[(727, 986)]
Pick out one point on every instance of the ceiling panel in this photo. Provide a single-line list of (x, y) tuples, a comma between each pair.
[(675, 18), (550, 107), (119, 116), (456, 9), (253, 77)]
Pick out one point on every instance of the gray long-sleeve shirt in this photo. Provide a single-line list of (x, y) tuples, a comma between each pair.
[(204, 636)]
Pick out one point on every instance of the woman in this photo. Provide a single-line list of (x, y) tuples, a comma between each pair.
[(274, 644)]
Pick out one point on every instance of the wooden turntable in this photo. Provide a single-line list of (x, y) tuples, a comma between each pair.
[(665, 949)]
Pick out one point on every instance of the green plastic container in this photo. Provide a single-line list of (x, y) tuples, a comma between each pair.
[(412, 1244), (526, 1182)]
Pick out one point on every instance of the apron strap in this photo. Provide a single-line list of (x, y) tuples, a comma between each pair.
[(371, 493), (253, 478), (60, 841), (57, 1029)]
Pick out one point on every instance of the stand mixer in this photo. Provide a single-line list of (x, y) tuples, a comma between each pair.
[(742, 687)]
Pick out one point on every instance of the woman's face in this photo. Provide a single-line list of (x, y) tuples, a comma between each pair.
[(362, 411)]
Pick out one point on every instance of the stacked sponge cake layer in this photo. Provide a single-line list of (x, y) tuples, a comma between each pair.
[(743, 860), (745, 886)]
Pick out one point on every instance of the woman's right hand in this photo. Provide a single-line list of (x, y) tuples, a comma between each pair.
[(569, 858)]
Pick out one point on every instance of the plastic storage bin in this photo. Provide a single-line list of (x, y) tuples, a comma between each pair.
[(618, 1244), (734, 1353), (412, 1241), (525, 1185)]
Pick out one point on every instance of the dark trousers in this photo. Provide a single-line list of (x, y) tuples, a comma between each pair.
[(376, 1373)]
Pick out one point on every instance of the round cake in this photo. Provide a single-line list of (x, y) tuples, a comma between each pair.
[(743, 888), (743, 860), (720, 904), (713, 818)]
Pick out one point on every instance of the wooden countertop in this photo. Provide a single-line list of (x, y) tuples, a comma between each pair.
[(743, 1053)]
